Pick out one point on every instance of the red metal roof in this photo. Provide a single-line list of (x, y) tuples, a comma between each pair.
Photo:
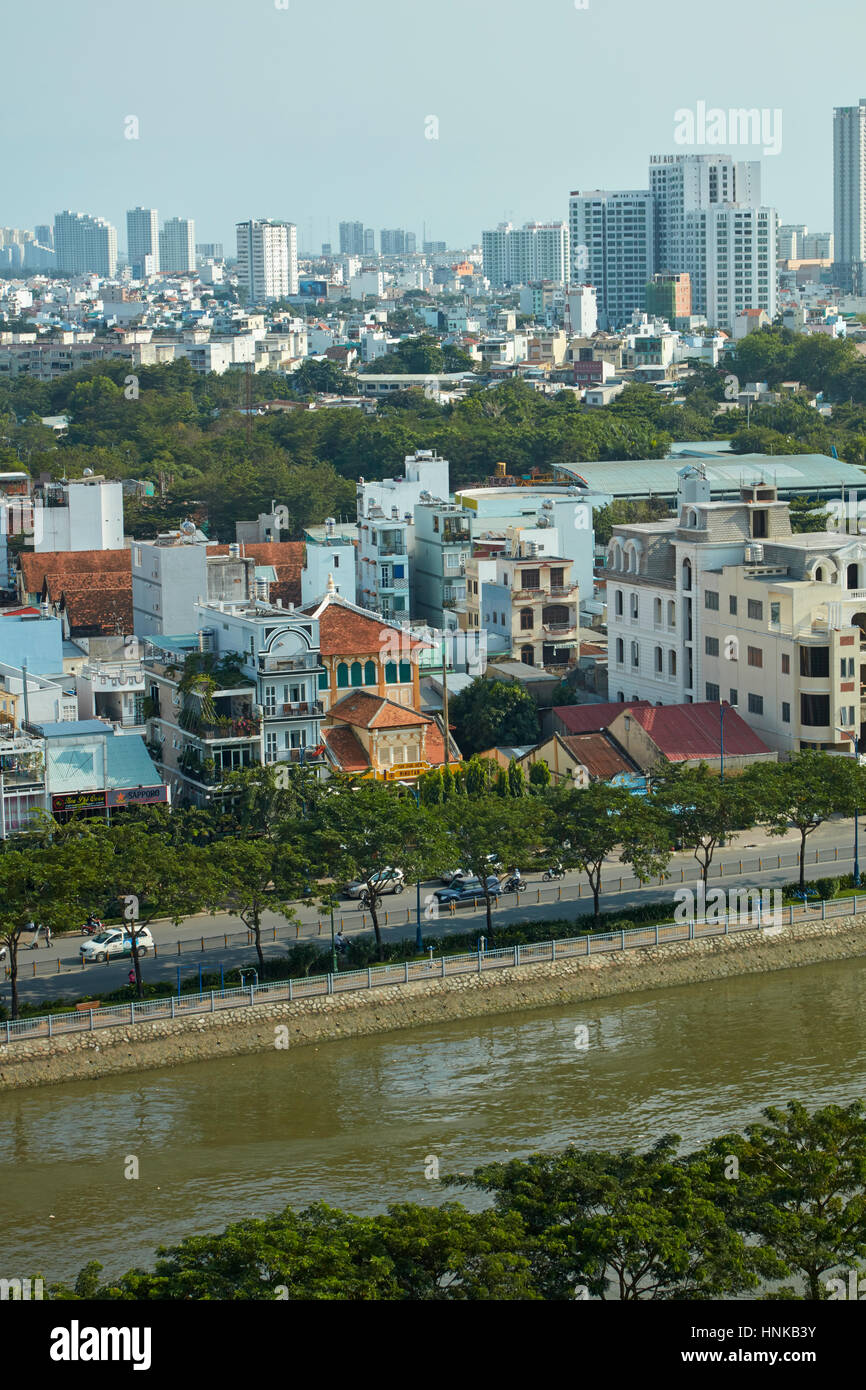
[(592, 719), (685, 732)]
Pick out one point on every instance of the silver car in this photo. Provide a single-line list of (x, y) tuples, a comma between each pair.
[(384, 881)]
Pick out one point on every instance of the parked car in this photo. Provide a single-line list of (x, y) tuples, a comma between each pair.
[(391, 881), (454, 876), (115, 942), (467, 890)]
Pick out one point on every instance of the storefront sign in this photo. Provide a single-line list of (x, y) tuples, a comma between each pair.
[(137, 796), (78, 801)]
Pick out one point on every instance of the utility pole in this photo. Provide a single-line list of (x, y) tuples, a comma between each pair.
[(445, 704)]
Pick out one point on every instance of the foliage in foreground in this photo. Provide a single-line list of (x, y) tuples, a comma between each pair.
[(783, 1199)]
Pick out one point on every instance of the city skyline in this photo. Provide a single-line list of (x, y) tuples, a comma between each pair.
[(121, 149)]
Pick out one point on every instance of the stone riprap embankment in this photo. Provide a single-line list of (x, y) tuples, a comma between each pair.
[(254, 1028)]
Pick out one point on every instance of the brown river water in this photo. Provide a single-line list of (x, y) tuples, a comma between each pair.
[(356, 1122)]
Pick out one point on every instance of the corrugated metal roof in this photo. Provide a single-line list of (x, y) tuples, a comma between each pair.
[(684, 732), (798, 472)]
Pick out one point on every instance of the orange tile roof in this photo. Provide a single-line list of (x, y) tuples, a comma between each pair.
[(375, 712), (345, 749), (345, 630), (98, 610), (35, 566)]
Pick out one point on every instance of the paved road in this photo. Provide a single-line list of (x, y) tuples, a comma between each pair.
[(222, 939)]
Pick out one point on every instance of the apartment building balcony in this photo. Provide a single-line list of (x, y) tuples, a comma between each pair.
[(107, 676), (227, 729), (295, 709), (306, 756), (394, 585), (456, 535), (270, 664)]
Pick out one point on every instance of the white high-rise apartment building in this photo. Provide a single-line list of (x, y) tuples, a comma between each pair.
[(267, 259), (684, 183), (613, 248), (84, 245), (724, 603), (522, 255), (732, 254), (849, 195), (142, 237), (177, 246)]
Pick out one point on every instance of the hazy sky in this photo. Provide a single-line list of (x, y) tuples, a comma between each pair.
[(317, 112)]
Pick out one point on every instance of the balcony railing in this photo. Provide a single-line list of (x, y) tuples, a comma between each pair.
[(295, 708), (228, 728), (289, 663), (301, 755), (558, 629), (394, 584)]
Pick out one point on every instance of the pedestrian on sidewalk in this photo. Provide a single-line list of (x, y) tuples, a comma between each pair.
[(47, 935), (341, 943), (131, 977)]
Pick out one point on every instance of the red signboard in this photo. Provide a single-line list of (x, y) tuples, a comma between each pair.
[(137, 796)]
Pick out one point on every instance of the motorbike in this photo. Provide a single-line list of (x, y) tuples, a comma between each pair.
[(91, 926), (514, 885), (555, 871)]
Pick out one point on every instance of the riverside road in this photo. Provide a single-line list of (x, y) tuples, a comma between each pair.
[(753, 861)]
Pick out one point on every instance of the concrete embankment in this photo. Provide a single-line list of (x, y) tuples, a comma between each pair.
[(232, 1032)]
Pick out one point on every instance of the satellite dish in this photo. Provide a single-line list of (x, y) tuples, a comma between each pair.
[(88, 473), (188, 527)]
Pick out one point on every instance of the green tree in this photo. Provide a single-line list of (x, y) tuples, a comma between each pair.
[(539, 776), (358, 832), (251, 877), (144, 876), (705, 811), (490, 712), (801, 1188), (803, 792), (505, 827), (624, 1225), (592, 822), (40, 885)]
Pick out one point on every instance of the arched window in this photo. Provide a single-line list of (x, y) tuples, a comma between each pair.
[(405, 673), (672, 613), (617, 603), (687, 575), (370, 674), (527, 620), (659, 660), (391, 672), (635, 654), (672, 663), (620, 651), (853, 577), (527, 656), (620, 695), (357, 674), (342, 675), (658, 611)]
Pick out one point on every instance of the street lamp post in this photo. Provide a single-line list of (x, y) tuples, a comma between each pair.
[(334, 965), (855, 739), (723, 708), (419, 940)]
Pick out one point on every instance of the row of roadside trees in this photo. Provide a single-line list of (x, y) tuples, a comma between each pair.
[(271, 846)]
